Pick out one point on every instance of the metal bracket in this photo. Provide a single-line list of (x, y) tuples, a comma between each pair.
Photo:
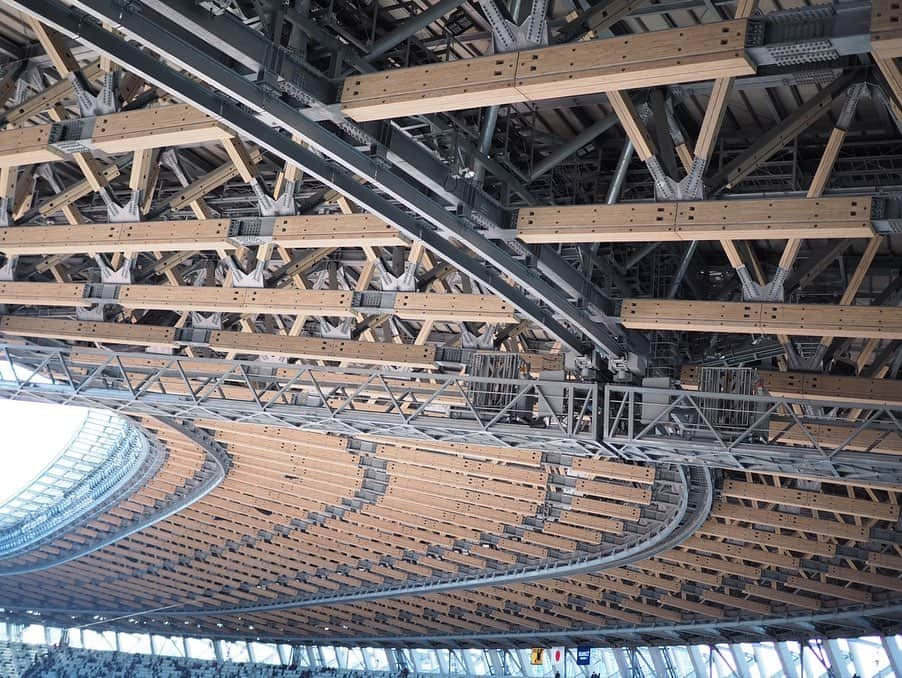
[(752, 291), (45, 172), (96, 313), (690, 187), (242, 279), (406, 282), (806, 35), (373, 302), (271, 207), (250, 231), (5, 211), (320, 279), (8, 270), (103, 103), (30, 77), (510, 37), (484, 340), (693, 185), (192, 336), (340, 331), (629, 366), (886, 215), (119, 276), (72, 136), (130, 212), (272, 358), (170, 160), (206, 321), (665, 187), (853, 96)]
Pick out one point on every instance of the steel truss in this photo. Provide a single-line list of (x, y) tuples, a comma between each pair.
[(648, 425), (750, 432), (557, 416)]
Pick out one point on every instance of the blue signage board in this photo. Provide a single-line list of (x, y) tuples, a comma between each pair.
[(583, 656)]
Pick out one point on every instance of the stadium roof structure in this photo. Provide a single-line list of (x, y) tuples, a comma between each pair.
[(461, 324)]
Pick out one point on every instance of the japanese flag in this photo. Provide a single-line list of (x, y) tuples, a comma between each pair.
[(557, 656)]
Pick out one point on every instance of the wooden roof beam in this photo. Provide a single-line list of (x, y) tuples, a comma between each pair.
[(743, 318), (175, 125), (659, 58), (840, 217), (814, 386), (407, 305), (316, 231), (312, 348)]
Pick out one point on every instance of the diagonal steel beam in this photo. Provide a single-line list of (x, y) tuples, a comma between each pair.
[(777, 137), (411, 27), (411, 219), (402, 151)]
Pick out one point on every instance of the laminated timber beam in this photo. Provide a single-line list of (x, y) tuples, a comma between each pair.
[(176, 125), (311, 348), (814, 386), (805, 320), (317, 231), (831, 436), (886, 45), (886, 29), (659, 58), (407, 305), (841, 217)]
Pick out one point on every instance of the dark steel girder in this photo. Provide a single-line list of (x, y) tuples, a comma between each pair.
[(397, 147), (777, 137), (216, 100)]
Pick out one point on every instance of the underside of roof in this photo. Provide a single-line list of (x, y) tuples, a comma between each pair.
[(463, 324)]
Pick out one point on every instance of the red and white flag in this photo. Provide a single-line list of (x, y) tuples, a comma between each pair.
[(557, 656)]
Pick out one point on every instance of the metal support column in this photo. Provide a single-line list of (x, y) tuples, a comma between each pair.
[(742, 664), (836, 656), (392, 660), (495, 662), (485, 139), (284, 657), (893, 652), (623, 662), (441, 657), (698, 664)]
